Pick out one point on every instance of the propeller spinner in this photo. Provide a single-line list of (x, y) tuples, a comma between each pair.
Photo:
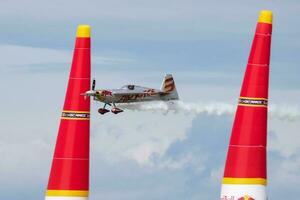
[(91, 92)]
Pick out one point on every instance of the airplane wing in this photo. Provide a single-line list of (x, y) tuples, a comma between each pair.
[(134, 90), (121, 93)]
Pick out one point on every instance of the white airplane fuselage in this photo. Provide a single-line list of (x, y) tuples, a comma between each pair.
[(133, 93), (138, 95)]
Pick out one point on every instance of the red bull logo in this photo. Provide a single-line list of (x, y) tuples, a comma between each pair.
[(246, 197)]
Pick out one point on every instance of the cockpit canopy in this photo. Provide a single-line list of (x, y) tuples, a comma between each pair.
[(128, 87)]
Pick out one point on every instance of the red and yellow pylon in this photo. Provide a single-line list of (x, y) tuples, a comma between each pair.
[(245, 175), (69, 176)]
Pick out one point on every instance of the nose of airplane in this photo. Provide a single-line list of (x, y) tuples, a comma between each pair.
[(90, 93)]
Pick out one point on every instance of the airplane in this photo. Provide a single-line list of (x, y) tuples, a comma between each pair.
[(133, 93)]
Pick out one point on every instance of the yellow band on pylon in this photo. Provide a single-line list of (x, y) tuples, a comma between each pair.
[(83, 31), (255, 98), (266, 16), (68, 193), (71, 118), (261, 106), (245, 181), (76, 111)]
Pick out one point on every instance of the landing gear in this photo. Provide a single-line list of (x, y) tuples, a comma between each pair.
[(116, 110), (102, 111)]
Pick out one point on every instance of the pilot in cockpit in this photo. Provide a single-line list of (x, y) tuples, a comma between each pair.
[(130, 87)]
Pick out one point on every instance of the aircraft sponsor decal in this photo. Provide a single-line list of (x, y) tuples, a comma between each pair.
[(131, 97), (249, 101), (75, 115), (150, 92), (106, 93)]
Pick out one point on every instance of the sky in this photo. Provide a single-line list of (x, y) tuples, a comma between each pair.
[(142, 154)]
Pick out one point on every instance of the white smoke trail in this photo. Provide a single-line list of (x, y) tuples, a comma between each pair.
[(283, 113)]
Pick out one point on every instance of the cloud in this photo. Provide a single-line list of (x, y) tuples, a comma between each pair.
[(187, 169), (14, 55), (138, 138), (199, 152), (134, 9), (282, 138), (25, 58), (135, 20)]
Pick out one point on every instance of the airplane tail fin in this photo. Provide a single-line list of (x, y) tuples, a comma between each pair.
[(168, 87)]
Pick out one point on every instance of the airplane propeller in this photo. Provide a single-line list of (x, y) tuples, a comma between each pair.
[(91, 92), (93, 84)]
